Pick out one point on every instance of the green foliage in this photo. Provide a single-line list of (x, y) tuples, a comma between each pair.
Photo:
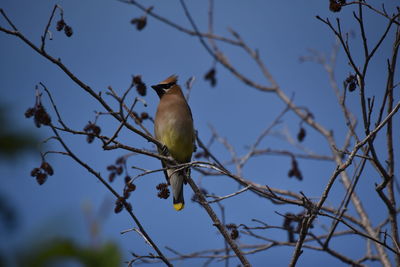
[(56, 252), (13, 143)]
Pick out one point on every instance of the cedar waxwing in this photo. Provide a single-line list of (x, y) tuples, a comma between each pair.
[(173, 127)]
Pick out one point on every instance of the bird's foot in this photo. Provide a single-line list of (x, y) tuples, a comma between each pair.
[(164, 151)]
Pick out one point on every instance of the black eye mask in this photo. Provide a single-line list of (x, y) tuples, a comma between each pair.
[(160, 88), (166, 85)]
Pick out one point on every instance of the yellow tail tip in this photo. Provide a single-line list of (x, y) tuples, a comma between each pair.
[(179, 206)]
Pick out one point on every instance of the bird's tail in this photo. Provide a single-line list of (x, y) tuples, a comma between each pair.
[(176, 179)]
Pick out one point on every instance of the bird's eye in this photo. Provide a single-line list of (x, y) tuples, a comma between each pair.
[(166, 86)]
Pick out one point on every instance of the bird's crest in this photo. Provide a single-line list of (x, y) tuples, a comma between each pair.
[(171, 79)]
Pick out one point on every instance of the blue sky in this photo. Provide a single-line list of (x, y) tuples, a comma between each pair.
[(105, 50)]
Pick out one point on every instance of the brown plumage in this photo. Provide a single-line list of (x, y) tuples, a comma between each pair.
[(173, 127)]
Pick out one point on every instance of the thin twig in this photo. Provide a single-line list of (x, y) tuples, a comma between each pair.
[(218, 199), (46, 30), (103, 181)]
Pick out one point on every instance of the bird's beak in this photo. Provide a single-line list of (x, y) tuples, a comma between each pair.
[(160, 92)]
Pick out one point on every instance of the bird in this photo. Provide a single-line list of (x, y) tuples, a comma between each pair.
[(173, 127)]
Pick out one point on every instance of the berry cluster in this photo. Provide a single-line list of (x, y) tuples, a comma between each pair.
[(234, 230), (116, 169), (336, 5), (120, 204), (129, 187), (163, 191), (210, 76), (301, 134), (61, 25), (295, 171), (140, 118), (140, 85), (92, 131), (351, 82), (140, 22), (42, 172), (39, 114)]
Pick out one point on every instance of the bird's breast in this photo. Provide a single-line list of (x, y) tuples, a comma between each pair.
[(176, 133)]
